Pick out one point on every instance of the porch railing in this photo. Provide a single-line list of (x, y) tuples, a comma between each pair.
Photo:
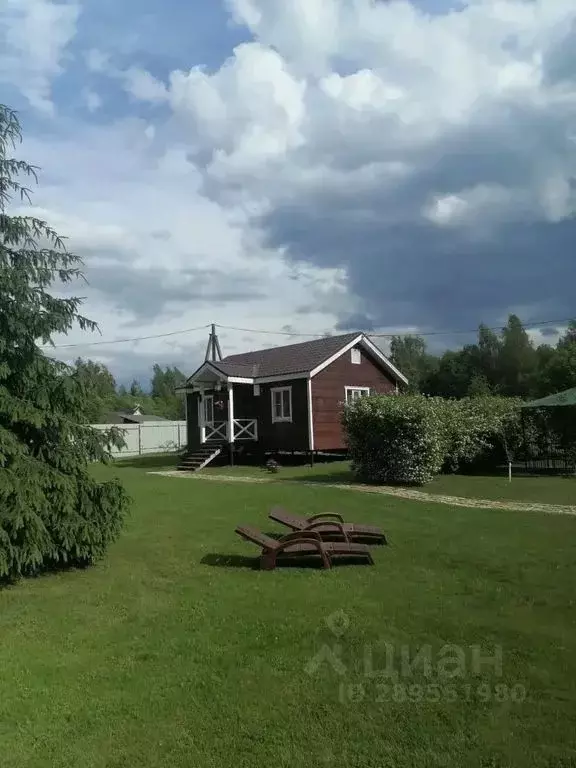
[(218, 430), (244, 429)]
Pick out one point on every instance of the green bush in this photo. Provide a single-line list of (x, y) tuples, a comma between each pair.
[(409, 439), (395, 439), (483, 429)]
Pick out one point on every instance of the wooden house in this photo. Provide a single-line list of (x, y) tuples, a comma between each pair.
[(287, 398)]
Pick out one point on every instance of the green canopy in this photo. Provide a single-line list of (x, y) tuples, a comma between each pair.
[(568, 397)]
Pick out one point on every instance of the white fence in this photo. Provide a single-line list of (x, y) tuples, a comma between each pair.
[(149, 437)]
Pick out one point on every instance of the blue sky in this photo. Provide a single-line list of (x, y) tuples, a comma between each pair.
[(302, 164)]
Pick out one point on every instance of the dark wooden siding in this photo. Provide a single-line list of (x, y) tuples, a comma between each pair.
[(328, 395), (283, 436), (245, 406), (192, 427)]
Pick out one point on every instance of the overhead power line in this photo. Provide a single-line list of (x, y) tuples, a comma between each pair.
[(124, 341), (293, 334), (391, 335), (475, 330)]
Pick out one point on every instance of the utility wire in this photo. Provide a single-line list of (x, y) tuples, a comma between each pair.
[(391, 335), (124, 341), (474, 330), (292, 333)]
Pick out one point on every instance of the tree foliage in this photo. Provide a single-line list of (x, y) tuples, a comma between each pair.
[(106, 397), (505, 363), (164, 383), (99, 385), (52, 511), (408, 353)]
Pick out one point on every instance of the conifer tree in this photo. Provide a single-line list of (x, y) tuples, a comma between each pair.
[(53, 513)]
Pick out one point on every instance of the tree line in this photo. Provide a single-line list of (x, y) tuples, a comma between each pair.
[(505, 363), (105, 396)]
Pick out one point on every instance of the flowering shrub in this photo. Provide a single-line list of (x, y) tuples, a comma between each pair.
[(395, 439), (477, 427), (409, 439)]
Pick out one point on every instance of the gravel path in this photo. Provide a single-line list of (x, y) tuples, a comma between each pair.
[(403, 493)]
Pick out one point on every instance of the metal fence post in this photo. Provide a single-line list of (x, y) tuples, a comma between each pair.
[(139, 439)]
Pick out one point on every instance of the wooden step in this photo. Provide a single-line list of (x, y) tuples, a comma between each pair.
[(199, 458)]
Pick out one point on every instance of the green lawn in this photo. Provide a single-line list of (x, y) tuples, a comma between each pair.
[(174, 652), (549, 490)]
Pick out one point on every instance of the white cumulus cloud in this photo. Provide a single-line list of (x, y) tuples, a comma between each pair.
[(351, 162), (34, 35)]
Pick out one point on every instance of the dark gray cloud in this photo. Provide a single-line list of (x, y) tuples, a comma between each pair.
[(149, 293), (355, 321), (407, 270)]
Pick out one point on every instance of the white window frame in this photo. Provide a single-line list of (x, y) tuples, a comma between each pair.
[(355, 356), (284, 417), (349, 398)]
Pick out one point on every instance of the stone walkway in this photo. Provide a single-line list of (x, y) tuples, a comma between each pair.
[(403, 493)]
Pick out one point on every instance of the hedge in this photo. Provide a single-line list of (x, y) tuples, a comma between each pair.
[(395, 439), (408, 439)]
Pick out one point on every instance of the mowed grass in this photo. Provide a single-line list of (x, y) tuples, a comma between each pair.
[(538, 489), (176, 652)]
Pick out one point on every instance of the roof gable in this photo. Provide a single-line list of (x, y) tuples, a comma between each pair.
[(378, 357)]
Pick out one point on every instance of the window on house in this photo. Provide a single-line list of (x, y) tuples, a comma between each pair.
[(356, 357), (282, 404), (256, 390), (354, 393)]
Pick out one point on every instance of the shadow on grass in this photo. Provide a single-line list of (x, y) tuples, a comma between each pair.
[(79, 566), (344, 477), (149, 462), (253, 563)]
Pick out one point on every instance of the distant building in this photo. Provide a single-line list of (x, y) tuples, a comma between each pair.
[(133, 416)]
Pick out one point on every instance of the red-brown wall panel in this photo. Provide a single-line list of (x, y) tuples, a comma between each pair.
[(328, 395)]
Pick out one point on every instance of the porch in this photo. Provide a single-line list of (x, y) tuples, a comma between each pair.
[(227, 412), (229, 431)]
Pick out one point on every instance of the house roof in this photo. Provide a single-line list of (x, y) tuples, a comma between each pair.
[(119, 417), (142, 417), (293, 360), (283, 361)]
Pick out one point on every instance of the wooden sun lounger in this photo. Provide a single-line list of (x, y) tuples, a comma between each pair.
[(330, 526), (301, 545)]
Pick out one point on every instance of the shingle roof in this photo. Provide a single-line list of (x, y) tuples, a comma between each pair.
[(118, 417), (281, 361)]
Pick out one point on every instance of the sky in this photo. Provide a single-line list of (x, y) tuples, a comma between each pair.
[(299, 166)]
